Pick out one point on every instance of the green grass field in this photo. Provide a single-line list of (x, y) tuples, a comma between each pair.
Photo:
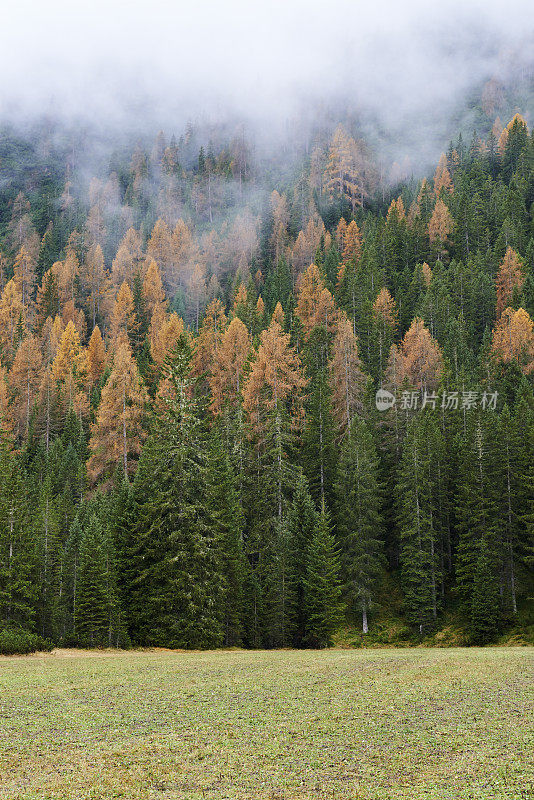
[(353, 724)]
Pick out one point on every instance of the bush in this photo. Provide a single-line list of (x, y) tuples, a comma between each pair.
[(15, 641)]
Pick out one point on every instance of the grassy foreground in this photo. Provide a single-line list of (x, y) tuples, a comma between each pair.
[(285, 724)]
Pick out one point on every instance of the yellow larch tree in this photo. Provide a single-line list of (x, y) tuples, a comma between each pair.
[(427, 273), (396, 210), (69, 371), (352, 248), (208, 340), (127, 261), (385, 319), (6, 415)]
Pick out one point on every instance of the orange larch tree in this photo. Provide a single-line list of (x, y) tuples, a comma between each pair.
[(229, 362), (513, 339), (315, 304), (95, 283), (347, 376), (442, 177), (440, 224), (25, 379), (11, 314), (418, 360), (510, 278), (96, 357), (123, 314), (163, 339), (276, 379), (118, 433), (385, 319), (153, 291)]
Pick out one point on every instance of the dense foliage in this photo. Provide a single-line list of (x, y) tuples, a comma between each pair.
[(191, 453)]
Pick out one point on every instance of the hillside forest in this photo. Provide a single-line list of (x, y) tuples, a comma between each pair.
[(193, 332)]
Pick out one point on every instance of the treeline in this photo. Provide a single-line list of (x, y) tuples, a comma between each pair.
[(192, 453)]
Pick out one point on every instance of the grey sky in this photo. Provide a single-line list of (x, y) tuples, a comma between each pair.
[(262, 60)]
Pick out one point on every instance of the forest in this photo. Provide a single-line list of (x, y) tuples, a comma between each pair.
[(192, 337)]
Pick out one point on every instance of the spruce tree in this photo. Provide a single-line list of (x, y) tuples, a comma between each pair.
[(178, 590), (359, 519), (322, 586)]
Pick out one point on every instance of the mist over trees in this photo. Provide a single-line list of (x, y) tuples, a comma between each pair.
[(192, 335)]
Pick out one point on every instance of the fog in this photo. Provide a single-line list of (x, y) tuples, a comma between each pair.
[(403, 66)]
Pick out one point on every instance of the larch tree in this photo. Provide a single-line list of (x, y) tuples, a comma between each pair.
[(441, 224), (25, 379), (118, 433), (418, 360), (123, 314), (164, 334), (11, 316), (24, 276), (347, 376), (315, 305), (510, 278), (513, 339), (96, 357), (69, 370), (227, 373), (153, 291), (442, 178), (96, 283), (208, 341), (385, 319), (342, 178), (272, 398)]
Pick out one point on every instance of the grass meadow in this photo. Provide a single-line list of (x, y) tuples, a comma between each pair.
[(369, 724)]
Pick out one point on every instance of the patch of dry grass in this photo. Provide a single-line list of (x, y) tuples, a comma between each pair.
[(378, 724)]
